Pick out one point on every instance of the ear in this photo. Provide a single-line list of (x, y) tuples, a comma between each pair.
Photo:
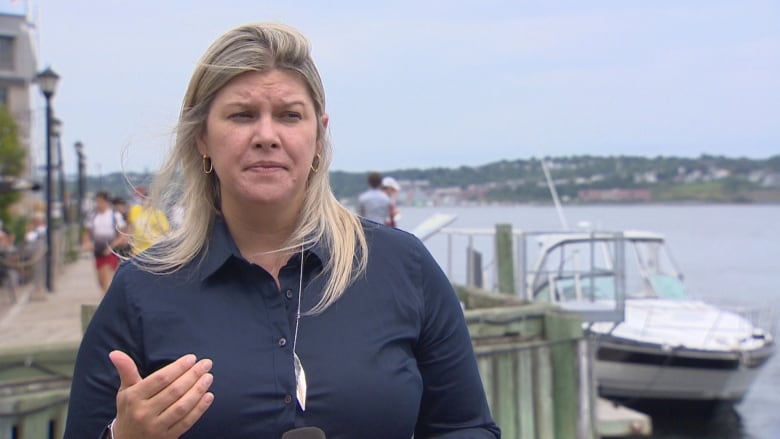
[(324, 119), (202, 149)]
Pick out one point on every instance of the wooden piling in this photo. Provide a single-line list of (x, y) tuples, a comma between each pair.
[(505, 259), (518, 348)]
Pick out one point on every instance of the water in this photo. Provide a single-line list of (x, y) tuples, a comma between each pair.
[(730, 254)]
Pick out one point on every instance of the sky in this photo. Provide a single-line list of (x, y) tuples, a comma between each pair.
[(419, 84)]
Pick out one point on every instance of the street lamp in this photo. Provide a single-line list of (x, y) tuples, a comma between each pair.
[(47, 81), (82, 158), (56, 128)]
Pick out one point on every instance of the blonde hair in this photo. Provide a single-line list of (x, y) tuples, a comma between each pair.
[(182, 181)]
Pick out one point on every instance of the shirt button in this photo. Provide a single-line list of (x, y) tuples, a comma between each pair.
[(282, 342), (287, 398), (288, 294)]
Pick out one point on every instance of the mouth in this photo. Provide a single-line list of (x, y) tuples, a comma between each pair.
[(264, 167)]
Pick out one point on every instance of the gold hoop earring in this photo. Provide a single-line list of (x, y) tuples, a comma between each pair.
[(210, 167), (315, 164)]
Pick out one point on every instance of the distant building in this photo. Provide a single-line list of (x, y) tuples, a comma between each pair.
[(650, 177), (18, 67), (614, 195)]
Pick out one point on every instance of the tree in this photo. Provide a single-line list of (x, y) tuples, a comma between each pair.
[(12, 160)]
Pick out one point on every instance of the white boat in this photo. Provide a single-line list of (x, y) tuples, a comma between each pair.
[(652, 340)]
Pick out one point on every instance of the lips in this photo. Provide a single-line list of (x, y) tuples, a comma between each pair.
[(266, 166)]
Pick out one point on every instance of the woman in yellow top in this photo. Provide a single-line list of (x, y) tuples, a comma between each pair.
[(147, 223)]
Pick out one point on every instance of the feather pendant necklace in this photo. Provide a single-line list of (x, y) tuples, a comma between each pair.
[(300, 374)]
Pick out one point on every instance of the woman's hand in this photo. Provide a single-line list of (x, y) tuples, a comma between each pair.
[(165, 404)]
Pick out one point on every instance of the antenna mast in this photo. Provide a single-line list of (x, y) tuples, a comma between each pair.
[(554, 193)]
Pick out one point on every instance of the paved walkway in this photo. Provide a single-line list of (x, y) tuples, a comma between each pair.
[(48, 318)]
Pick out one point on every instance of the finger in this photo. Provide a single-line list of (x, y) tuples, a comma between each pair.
[(138, 404), (125, 366), (190, 407), (184, 384), (161, 379), (192, 417)]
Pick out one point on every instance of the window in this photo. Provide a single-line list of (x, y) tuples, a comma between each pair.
[(6, 52)]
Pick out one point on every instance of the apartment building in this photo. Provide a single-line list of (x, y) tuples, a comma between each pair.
[(18, 66)]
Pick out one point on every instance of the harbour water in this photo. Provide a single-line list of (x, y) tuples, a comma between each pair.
[(729, 254)]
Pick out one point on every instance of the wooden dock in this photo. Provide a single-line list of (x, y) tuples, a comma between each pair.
[(619, 421), (39, 337), (534, 363)]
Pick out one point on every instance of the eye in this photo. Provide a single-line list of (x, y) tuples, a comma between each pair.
[(241, 115), (292, 115)]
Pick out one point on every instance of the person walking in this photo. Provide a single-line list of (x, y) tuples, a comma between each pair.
[(391, 188), (374, 204), (104, 231)]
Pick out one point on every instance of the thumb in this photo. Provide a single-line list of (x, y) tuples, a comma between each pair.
[(125, 366)]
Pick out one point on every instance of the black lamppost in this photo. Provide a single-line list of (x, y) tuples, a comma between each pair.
[(56, 128), (47, 80), (82, 158)]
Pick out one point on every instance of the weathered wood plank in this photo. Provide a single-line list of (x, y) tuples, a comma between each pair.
[(34, 363), (525, 424), (543, 397), (505, 259), (508, 394), (565, 371)]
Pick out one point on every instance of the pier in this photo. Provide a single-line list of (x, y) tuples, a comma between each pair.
[(39, 337), (41, 318)]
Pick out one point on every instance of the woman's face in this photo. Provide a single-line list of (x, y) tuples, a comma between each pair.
[(261, 135)]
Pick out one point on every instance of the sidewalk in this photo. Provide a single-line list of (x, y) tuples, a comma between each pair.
[(48, 318)]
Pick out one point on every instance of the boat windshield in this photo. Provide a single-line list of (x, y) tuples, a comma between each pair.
[(577, 271), (590, 270), (651, 272)]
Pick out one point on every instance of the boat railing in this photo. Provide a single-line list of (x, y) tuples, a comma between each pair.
[(762, 321), (502, 260), (765, 318), (477, 273)]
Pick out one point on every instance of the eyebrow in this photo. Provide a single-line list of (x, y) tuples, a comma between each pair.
[(241, 101), (293, 102)]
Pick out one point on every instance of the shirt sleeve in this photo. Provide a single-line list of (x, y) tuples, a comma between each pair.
[(453, 403), (120, 220), (89, 221), (95, 384)]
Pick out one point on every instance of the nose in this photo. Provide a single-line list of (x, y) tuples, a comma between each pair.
[(265, 134)]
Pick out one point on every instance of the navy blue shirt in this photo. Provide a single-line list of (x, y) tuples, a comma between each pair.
[(391, 358)]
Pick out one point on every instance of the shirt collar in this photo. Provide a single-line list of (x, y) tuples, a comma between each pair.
[(221, 248)]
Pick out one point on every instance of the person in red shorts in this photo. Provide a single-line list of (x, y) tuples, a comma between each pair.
[(105, 231)]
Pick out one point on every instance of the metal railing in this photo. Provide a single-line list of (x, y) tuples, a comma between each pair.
[(509, 262)]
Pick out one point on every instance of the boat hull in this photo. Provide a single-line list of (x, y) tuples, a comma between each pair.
[(655, 372)]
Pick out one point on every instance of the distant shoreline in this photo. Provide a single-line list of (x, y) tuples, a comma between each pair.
[(596, 204)]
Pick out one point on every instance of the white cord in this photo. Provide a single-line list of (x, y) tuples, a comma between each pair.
[(298, 313)]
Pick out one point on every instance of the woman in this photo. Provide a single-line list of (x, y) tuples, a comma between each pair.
[(105, 232), (272, 307)]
